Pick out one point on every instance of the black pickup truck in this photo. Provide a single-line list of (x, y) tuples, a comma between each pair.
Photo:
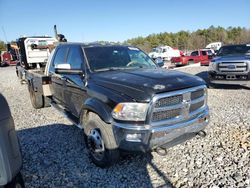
[(121, 99)]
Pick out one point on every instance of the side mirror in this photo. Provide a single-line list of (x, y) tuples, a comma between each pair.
[(65, 68), (159, 62)]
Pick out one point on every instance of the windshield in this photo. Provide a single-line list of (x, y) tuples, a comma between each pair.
[(209, 52), (158, 50), (117, 57), (234, 50)]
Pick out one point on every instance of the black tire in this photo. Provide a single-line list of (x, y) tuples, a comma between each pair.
[(17, 182), (110, 153), (36, 98)]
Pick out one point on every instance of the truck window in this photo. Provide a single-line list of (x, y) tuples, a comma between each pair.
[(203, 53), (60, 56), (195, 53), (75, 57), (117, 57), (234, 50)]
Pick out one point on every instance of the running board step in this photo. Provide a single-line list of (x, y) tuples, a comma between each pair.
[(66, 114)]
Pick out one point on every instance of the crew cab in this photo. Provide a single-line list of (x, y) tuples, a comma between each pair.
[(121, 99), (231, 66), (199, 56)]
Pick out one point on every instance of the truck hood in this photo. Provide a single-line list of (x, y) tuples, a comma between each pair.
[(142, 84), (232, 58)]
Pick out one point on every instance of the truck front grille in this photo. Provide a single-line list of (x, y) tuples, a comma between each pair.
[(178, 106), (233, 67), (158, 116), (168, 101), (196, 106), (197, 94)]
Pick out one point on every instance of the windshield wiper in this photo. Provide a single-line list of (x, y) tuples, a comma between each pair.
[(119, 68), (110, 69)]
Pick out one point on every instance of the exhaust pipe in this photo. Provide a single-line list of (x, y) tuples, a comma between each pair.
[(202, 134), (55, 31)]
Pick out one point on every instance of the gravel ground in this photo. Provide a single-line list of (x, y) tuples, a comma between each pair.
[(54, 154)]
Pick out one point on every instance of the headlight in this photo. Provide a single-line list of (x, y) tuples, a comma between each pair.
[(212, 65), (130, 111)]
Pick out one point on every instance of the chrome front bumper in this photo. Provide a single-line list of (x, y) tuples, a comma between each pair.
[(145, 137), (231, 82)]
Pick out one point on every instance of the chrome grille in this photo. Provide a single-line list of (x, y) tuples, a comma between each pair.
[(178, 106), (196, 106), (168, 101), (157, 116), (197, 94), (232, 67)]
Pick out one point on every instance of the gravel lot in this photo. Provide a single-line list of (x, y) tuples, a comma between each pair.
[(54, 153)]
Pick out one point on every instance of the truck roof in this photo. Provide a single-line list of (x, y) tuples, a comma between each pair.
[(93, 44), (236, 45), (35, 37)]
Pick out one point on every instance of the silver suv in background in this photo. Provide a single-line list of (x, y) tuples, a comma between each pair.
[(231, 65)]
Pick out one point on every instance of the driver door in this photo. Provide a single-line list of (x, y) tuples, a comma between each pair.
[(75, 89), (56, 78)]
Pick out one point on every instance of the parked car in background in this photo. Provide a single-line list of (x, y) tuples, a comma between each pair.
[(214, 45), (165, 53), (198, 56), (34, 53), (231, 65), (7, 59), (210, 52)]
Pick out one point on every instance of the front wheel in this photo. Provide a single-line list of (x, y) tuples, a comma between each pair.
[(100, 141)]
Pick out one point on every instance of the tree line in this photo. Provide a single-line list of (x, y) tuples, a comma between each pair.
[(186, 40), (2, 46)]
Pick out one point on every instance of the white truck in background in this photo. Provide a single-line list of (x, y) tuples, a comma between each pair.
[(164, 52), (214, 45), (35, 51)]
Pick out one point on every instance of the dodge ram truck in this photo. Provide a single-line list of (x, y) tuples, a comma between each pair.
[(121, 99), (231, 66)]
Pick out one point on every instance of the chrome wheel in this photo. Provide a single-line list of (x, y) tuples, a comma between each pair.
[(96, 144)]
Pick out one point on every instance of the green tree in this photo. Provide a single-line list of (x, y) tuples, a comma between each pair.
[(185, 40), (2, 46)]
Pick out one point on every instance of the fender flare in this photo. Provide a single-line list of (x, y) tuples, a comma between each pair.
[(98, 107)]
